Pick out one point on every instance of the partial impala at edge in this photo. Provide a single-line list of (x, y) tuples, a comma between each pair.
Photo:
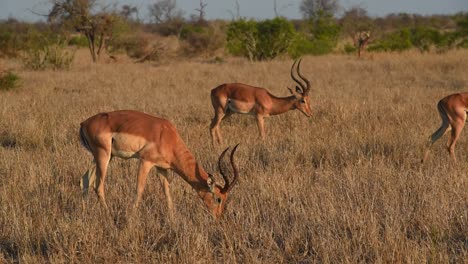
[(452, 110), (156, 143), (231, 98)]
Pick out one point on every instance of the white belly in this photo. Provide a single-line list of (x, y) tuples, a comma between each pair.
[(240, 107), (127, 146)]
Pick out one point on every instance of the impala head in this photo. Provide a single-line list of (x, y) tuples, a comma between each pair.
[(302, 91), (215, 199)]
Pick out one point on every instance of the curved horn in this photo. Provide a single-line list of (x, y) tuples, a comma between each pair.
[(307, 88), (226, 181), (294, 78), (228, 186)]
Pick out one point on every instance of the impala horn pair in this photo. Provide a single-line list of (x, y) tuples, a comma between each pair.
[(228, 185), (304, 89)]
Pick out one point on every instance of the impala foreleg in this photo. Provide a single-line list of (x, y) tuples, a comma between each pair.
[(261, 126), (165, 183), (143, 170)]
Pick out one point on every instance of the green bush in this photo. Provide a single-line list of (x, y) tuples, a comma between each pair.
[(423, 38), (302, 46), (134, 45), (7, 44), (242, 37), (461, 34), (275, 37), (394, 41), (8, 81), (54, 55), (320, 36), (199, 38), (260, 40), (79, 41), (349, 48)]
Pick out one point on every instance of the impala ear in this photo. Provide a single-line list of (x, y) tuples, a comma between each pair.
[(298, 90), (297, 93), (211, 183)]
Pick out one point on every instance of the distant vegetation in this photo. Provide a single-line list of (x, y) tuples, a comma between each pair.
[(319, 32), (8, 81)]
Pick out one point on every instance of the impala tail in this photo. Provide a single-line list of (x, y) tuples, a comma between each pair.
[(89, 177), (83, 140)]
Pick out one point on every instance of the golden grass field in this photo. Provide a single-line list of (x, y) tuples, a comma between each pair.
[(343, 186)]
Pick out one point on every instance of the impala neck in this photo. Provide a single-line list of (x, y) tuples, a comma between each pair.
[(188, 168), (282, 104)]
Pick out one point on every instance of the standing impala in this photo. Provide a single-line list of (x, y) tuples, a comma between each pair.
[(231, 98), (452, 110), (156, 143)]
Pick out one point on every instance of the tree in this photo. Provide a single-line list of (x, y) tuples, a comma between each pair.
[(200, 18), (82, 17), (237, 15), (312, 8), (355, 20), (164, 11), (260, 40), (361, 39), (128, 11)]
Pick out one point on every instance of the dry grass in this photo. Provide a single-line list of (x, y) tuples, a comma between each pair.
[(343, 186)]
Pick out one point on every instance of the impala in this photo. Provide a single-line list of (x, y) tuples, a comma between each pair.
[(452, 110), (231, 98), (156, 143)]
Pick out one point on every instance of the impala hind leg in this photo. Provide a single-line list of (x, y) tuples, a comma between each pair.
[(166, 180), (88, 180), (439, 132), (457, 127), (214, 127), (102, 158), (143, 170)]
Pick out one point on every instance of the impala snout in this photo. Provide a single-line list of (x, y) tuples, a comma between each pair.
[(215, 202), (304, 106)]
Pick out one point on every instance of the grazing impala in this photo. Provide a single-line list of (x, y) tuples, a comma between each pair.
[(231, 98), (156, 143), (452, 110)]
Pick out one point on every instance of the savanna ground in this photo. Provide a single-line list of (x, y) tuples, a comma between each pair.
[(343, 186)]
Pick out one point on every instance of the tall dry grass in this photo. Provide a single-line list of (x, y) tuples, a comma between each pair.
[(343, 186)]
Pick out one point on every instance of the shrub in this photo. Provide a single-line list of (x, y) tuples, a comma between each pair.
[(242, 36), (171, 27), (275, 37), (135, 46), (201, 38), (349, 48), (303, 45), (260, 40), (79, 41), (395, 41), (320, 36), (17, 37), (423, 38), (8, 81), (7, 46), (49, 55)]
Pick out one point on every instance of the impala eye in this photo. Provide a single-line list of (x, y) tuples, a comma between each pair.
[(302, 101), (218, 200)]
